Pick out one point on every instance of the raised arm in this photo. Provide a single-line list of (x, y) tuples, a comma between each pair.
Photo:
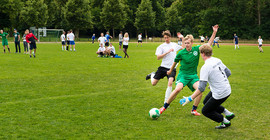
[(215, 29)]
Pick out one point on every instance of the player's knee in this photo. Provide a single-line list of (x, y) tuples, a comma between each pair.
[(204, 111), (154, 83)]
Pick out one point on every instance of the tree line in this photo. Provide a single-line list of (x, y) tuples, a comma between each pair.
[(247, 18)]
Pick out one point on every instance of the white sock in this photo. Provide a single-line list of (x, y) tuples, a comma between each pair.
[(238, 46), (168, 93), (227, 112), (74, 49), (225, 120), (152, 77), (62, 47), (65, 47), (234, 46)]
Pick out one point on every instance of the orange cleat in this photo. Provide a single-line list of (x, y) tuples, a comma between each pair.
[(195, 113)]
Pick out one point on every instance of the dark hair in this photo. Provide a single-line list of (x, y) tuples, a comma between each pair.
[(167, 32)]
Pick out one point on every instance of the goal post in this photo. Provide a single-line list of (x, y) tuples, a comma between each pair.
[(47, 35)]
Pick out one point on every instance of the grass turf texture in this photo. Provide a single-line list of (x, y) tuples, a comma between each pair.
[(75, 95)]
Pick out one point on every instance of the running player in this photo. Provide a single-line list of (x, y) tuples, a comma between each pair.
[(216, 73), (31, 39), (180, 38), (139, 39), (260, 41), (63, 38), (216, 41), (107, 41), (125, 44), (189, 60), (17, 38), (101, 40), (71, 39), (167, 52), (4, 36), (235, 40), (120, 39), (202, 39)]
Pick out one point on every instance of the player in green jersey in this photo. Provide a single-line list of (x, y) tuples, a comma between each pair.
[(189, 60), (4, 36)]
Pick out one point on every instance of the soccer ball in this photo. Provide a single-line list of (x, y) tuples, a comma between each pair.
[(154, 113)]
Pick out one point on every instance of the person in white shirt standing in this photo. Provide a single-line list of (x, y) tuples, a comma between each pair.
[(101, 40), (63, 39), (260, 41), (167, 52), (216, 74), (139, 39), (202, 39), (180, 38), (125, 44), (71, 39), (120, 40)]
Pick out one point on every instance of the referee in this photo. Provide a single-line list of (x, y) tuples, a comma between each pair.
[(216, 73)]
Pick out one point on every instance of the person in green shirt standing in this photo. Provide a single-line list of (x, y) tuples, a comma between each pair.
[(189, 60), (4, 36), (17, 41)]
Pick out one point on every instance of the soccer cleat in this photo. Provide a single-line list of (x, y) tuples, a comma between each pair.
[(34, 56), (223, 125), (30, 56), (229, 117), (161, 110), (149, 76), (195, 113)]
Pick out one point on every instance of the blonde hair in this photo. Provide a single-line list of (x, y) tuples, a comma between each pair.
[(206, 49), (126, 34), (167, 32), (189, 37)]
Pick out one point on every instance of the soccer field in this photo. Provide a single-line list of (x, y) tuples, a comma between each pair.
[(76, 95)]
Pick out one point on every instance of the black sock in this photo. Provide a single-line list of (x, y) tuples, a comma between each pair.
[(166, 105), (4, 50), (8, 49), (194, 107)]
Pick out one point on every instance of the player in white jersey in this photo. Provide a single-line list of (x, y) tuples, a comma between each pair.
[(139, 39), (63, 39), (125, 44), (216, 74), (216, 42), (110, 50), (167, 52), (101, 39), (120, 40), (180, 38), (260, 41), (202, 39), (71, 39), (101, 51)]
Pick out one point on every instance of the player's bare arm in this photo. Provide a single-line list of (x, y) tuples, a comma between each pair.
[(215, 29), (173, 66), (162, 55)]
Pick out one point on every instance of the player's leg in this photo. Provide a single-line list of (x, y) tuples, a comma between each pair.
[(74, 47), (196, 100), (16, 46), (19, 46), (217, 45), (141, 43), (35, 50), (8, 48), (169, 89), (4, 48)]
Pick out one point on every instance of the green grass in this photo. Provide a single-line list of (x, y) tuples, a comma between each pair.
[(75, 95)]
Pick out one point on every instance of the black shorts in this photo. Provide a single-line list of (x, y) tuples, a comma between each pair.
[(63, 42), (68, 42), (139, 41), (33, 46), (112, 54), (202, 40), (260, 45), (120, 43), (162, 72), (107, 44), (125, 46)]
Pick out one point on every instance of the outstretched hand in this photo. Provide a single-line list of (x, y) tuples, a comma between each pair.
[(215, 28)]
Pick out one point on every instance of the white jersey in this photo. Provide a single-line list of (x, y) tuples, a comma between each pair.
[(101, 49), (217, 39), (202, 38), (102, 40), (140, 37), (260, 41), (168, 59), (126, 39), (213, 72), (71, 37), (63, 37), (112, 49), (120, 37)]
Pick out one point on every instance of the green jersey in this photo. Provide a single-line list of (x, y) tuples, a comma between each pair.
[(16, 35), (189, 60), (4, 36)]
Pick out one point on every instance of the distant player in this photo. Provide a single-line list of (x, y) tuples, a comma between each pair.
[(120, 40), (189, 60), (68, 42), (4, 36), (167, 52), (25, 44), (125, 44), (202, 39), (216, 42), (107, 41), (235, 40), (71, 39), (139, 39), (260, 41), (111, 50), (31, 39), (93, 38), (101, 51), (63, 39), (17, 38), (180, 38), (101, 40), (216, 74), (206, 39)]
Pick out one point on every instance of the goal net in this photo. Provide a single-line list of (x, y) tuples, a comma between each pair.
[(47, 35)]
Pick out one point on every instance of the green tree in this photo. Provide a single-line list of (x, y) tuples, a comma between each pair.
[(158, 7), (34, 13), (173, 19), (113, 15), (78, 15), (145, 17)]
